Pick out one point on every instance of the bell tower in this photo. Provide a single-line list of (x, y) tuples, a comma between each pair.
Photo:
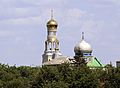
[(52, 43)]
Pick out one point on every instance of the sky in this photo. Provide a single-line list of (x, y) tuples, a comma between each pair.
[(23, 28)]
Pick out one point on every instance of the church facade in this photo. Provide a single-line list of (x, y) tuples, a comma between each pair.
[(53, 56)]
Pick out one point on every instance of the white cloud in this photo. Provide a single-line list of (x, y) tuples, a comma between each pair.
[(31, 3), (105, 3), (74, 13), (10, 13), (22, 21), (6, 34), (74, 21)]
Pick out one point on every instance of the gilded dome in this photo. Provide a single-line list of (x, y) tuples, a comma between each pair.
[(52, 22), (52, 25)]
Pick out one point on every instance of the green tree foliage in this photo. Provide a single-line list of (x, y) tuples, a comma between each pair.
[(62, 76)]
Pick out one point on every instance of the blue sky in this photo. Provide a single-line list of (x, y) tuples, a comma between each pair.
[(23, 28)]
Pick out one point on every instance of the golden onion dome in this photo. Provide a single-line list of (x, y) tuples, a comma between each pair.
[(52, 23)]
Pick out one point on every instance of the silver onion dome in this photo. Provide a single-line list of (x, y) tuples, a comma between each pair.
[(83, 46)]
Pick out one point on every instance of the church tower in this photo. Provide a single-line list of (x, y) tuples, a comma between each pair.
[(83, 51), (52, 43)]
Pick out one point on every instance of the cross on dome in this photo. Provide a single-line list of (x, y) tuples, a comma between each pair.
[(82, 35), (51, 14)]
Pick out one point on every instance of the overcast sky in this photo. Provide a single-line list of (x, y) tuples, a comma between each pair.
[(23, 28)]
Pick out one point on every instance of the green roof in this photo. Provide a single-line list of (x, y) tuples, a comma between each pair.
[(94, 62)]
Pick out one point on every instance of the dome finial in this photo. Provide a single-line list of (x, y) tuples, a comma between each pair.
[(52, 24), (82, 35), (51, 14)]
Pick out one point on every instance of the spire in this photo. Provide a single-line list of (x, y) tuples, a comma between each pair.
[(82, 35), (51, 14), (110, 63)]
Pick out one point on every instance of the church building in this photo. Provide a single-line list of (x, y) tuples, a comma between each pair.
[(52, 55)]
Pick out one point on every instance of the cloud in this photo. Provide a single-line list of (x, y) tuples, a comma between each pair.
[(74, 21), (73, 16), (22, 21), (10, 9), (105, 3), (31, 3), (10, 13)]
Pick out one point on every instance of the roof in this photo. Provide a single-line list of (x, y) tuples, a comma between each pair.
[(58, 60), (94, 62)]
